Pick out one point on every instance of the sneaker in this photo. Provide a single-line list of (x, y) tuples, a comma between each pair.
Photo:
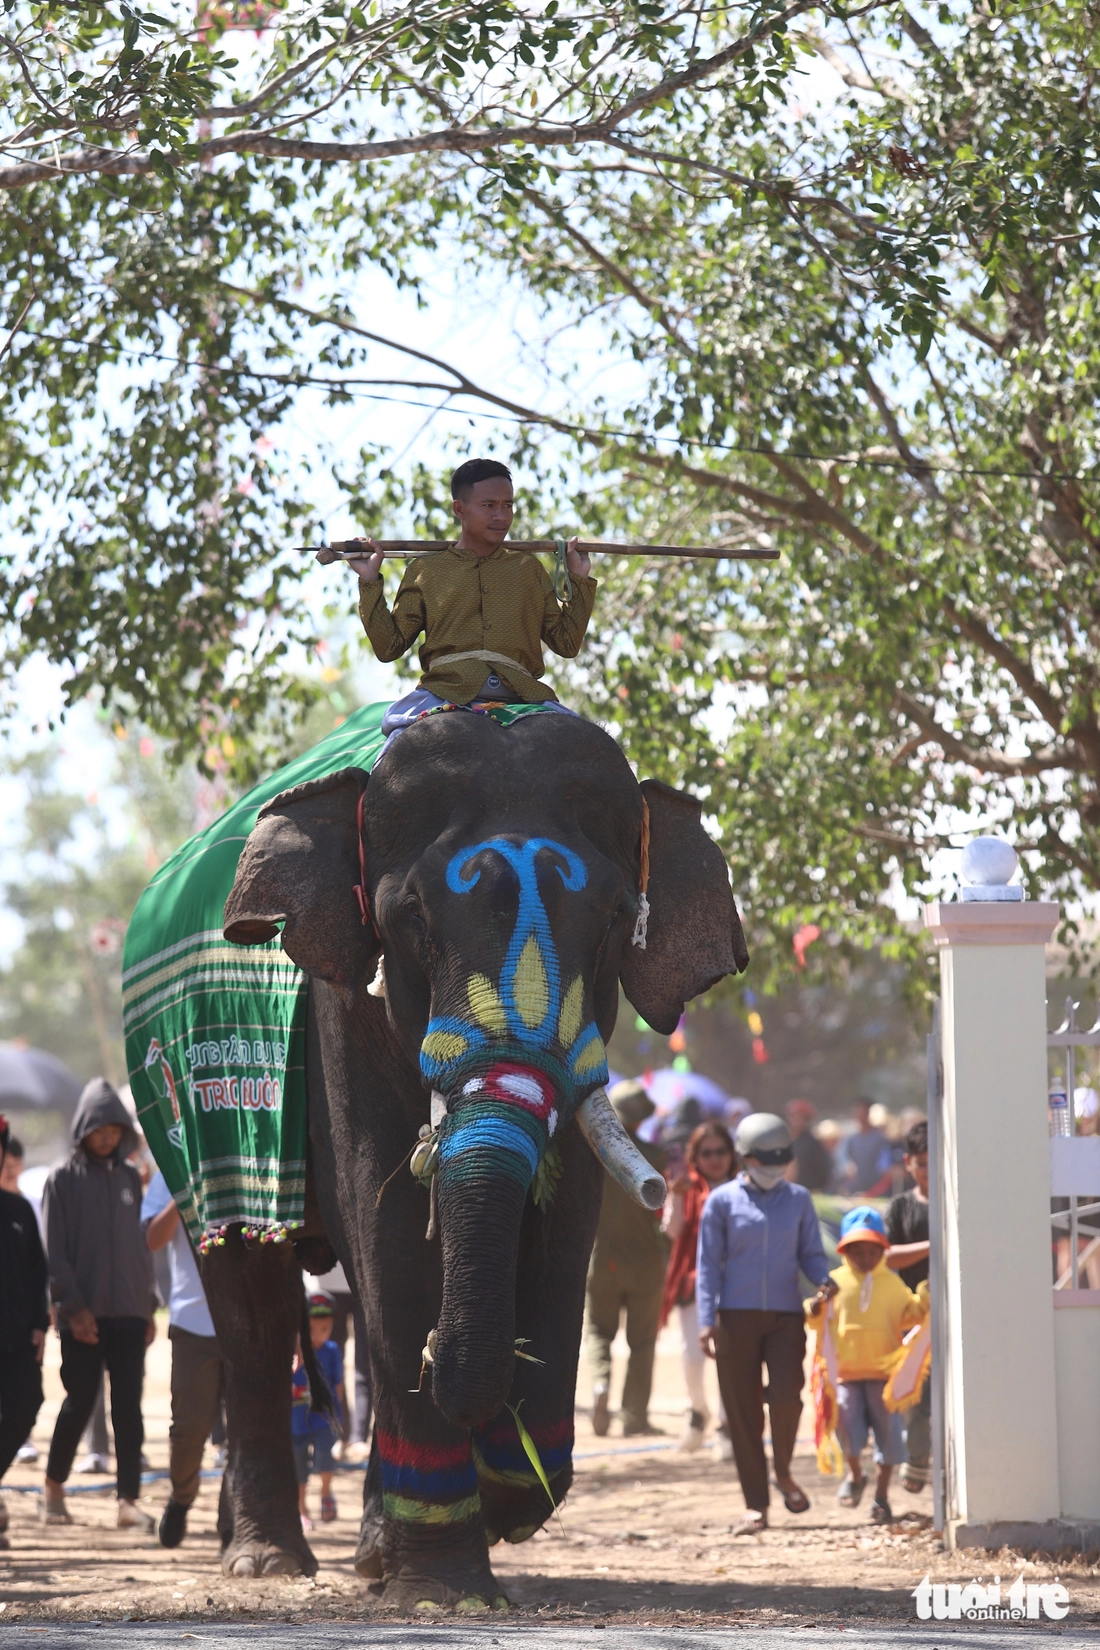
[(328, 1509), (691, 1439), (92, 1463), (133, 1517), (27, 1455), (601, 1411), (881, 1513), (173, 1525)]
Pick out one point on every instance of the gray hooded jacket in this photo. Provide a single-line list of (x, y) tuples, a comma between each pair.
[(91, 1208)]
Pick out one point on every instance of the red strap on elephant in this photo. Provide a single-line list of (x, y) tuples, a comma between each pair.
[(360, 889)]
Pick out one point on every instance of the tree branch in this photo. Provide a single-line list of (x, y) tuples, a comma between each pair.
[(455, 140), (986, 761), (858, 79)]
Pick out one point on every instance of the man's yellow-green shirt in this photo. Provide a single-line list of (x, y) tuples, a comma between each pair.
[(495, 612)]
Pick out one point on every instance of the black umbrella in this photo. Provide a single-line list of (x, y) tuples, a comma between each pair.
[(32, 1080)]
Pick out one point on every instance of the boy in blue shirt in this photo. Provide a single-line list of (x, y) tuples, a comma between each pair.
[(312, 1432)]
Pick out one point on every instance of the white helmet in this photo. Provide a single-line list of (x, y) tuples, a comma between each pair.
[(764, 1136)]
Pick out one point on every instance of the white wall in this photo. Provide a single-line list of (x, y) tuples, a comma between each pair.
[(1077, 1361)]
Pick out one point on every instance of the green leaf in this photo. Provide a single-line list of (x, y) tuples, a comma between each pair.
[(533, 1456)]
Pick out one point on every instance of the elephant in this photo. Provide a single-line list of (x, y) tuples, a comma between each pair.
[(465, 916)]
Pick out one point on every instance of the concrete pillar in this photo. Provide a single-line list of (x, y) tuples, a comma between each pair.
[(999, 1371)]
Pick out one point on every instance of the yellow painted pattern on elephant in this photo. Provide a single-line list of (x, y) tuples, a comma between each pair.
[(444, 1045), (531, 988), (591, 1056), (569, 1020), (485, 1004)]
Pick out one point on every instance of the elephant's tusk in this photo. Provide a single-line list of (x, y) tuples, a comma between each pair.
[(618, 1153)]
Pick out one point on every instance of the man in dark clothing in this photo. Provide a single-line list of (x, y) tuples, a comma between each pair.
[(812, 1166), (627, 1270), (907, 1229), (101, 1284), (24, 1319)]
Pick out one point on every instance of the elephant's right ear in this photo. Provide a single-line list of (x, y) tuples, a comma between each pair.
[(695, 935), (300, 867)]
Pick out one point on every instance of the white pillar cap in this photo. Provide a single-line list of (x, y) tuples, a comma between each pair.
[(1026, 922)]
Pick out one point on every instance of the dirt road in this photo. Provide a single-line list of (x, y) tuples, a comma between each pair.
[(646, 1539)]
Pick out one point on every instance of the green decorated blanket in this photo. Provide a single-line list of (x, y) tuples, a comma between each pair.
[(215, 1033)]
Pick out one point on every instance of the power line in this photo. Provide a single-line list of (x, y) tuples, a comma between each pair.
[(915, 466)]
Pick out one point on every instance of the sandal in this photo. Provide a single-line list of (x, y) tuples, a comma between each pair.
[(328, 1509), (133, 1517), (796, 1500), (881, 1513), (850, 1493), (751, 1524), (912, 1481)]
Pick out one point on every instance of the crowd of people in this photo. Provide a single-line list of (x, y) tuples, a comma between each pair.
[(730, 1257), (741, 1240), (87, 1264)]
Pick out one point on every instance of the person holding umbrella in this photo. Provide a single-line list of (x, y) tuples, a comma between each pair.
[(755, 1235)]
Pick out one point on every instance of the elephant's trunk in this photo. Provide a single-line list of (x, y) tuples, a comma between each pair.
[(486, 1162)]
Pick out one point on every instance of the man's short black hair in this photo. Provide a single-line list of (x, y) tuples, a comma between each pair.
[(916, 1141), (474, 470)]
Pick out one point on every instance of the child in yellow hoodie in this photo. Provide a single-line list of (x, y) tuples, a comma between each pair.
[(868, 1319)]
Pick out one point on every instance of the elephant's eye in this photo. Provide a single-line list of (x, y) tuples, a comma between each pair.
[(415, 917)]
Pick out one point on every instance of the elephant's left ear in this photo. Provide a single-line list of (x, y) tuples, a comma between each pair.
[(299, 869), (694, 934)]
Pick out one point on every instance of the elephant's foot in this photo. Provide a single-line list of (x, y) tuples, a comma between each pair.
[(428, 1568), (411, 1594), (257, 1557), (368, 1554)]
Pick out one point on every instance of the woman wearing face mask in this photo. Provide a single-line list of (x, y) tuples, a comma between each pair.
[(756, 1233)]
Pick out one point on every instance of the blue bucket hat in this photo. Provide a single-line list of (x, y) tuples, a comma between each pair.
[(863, 1225)]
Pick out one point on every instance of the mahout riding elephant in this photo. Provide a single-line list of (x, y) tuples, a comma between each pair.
[(499, 872)]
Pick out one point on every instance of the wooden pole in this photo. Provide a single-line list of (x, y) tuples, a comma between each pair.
[(349, 549)]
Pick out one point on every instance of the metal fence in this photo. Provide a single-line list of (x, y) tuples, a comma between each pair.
[(1070, 1038)]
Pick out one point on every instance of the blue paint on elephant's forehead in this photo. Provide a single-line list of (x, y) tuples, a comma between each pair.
[(522, 857)]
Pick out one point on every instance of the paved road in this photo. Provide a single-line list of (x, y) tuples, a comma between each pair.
[(487, 1636)]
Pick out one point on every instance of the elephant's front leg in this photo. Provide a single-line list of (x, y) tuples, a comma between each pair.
[(425, 1533), (555, 1245), (254, 1292)]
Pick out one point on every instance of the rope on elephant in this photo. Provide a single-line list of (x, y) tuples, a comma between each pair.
[(641, 926)]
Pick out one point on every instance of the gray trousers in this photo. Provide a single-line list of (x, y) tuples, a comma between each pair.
[(196, 1389)]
